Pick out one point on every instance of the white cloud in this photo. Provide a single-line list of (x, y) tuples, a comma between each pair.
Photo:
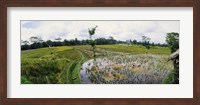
[(120, 30)]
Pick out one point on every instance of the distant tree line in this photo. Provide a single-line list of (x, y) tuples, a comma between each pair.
[(37, 42)]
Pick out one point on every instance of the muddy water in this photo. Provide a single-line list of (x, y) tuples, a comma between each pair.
[(84, 74), (88, 65)]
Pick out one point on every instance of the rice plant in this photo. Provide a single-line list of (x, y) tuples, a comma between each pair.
[(129, 69)]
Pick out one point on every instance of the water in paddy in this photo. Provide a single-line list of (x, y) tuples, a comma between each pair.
[(84, 73)]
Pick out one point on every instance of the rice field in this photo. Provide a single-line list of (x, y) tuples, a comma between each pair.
[(114, 64), (126, 64), (130, 69), (56, 65)]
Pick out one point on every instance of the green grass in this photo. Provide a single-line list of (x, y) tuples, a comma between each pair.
[(135, 49), (40, 66), (43, 52), (43, 66)]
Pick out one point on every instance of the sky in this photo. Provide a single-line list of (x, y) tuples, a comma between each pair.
[(119, 30)]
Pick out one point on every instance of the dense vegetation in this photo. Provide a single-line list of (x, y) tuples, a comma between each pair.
[(40, 66), (60, 62), (39, 43)]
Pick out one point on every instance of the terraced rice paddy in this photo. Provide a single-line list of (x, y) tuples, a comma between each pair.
[(114, 64), (130, 69), (120, 64)]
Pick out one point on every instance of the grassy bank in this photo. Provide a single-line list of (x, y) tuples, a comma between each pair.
[(51, 65)]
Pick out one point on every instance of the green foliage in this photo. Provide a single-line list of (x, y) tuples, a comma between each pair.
[(173, 40), (169, 79), (92, 42), (39, 66), (92, 31), (146, 41), (25, 45), (24, 80), (40, 71)]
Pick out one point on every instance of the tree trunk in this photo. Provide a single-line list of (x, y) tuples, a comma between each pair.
[(175, 57)]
